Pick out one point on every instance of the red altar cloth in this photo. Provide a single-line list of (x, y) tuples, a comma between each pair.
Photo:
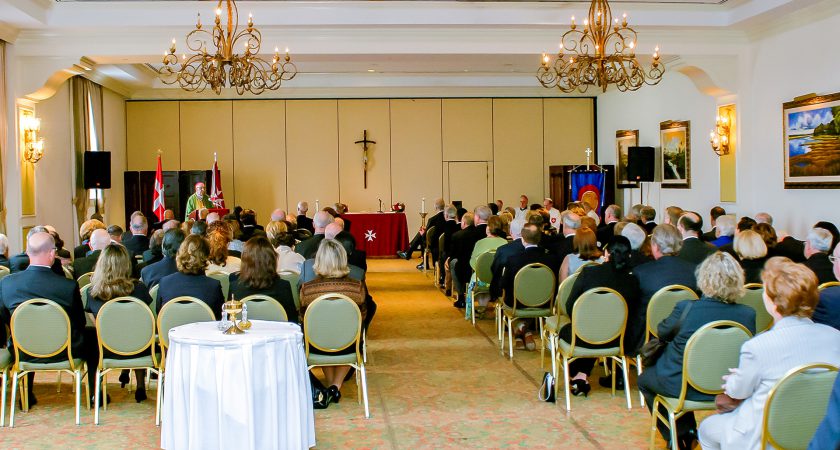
[(379, 234)]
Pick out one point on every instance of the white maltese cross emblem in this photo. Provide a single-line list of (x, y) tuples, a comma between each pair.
[(370, 236)]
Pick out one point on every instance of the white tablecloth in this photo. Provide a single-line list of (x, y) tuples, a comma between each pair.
[(237, 391)]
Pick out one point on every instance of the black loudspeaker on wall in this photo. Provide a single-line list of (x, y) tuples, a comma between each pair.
[(97, 170), (640, 163)]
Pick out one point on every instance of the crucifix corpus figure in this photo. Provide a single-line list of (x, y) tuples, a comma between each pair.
[(365, 142)]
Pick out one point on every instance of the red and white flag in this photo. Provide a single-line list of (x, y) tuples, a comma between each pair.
[(158, 204), (216, 196)]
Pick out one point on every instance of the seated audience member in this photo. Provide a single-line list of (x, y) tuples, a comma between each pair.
[(463, 243), (744, 224), (522, 209), (450, 227), (725, 230), (637, 236), (553, 214), (308, 273), (721, 280), (503, 254), (764, 217), (258, 275), (614, 273), (84, 232), (672, 215), (4, 251), (752, 254), (586, 251), (828, 308), (817, 246), (212, 217), (343, 235), (190, 279), (303, 221), (694, 249), (60, 252), (491, 242), (235, 245), (137, 242), (154, 253), (648, 216), (790, 294), (116, 233), (168, 215), (605, 232), (199, 228), (506, 218), (561, 246), (38, 280), (665, 270), (186, 226), (635, 214), (829, 428), (768, 235), (99, 239), (591, 213), (588, 222), (219, 236), (714, 214), (19, 262), (151, 274), (790, 247), (418, 242), (332, 278), (112, 279), (278, 215), (250, 228), (831, 228), (283, 241), (309, 247), (533, 253)]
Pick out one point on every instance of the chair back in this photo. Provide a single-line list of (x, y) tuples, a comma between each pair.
[(292, 278), (429, 233), (224, 279), (332, 322), (754, 299), (40, 328), (68, 273), (796, 405), (533, 285), (585, 264), (125, 326), (84, 279), (153, 293), (662, 303), (825, 285), (85, 291), (563, 292), (263, 307), (482, 266), (709, 353), (181, 311), (599, 317), (441, 243), (4, 271)]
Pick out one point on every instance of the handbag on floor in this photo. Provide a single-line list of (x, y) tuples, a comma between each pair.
[(546, 393), (320, 398), (653, 349)]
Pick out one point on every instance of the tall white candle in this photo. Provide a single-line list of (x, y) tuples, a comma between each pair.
[(317, 205), (423, 205)]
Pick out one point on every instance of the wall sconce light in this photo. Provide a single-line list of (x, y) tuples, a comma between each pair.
[(719, 137), (33, 149)]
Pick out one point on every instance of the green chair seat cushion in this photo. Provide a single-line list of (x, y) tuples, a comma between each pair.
[(129, 363), (688, 405), (318, 359), (526, 313), (5, 358), (553, 324), (60, 365), (583, 352)]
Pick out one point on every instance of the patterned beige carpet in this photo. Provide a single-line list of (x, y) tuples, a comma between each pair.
[(434, 380)]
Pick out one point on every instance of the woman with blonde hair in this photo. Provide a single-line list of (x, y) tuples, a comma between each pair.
[(790, 296), (219, 236), (331, 277), (190, 279), (752, 254), (283, 242), (721, 281), (112, 279)]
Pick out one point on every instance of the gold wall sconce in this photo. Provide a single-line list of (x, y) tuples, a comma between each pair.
[(719, 137), (33, 149)]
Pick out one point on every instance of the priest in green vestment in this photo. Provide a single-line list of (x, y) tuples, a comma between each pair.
[(198, 201)]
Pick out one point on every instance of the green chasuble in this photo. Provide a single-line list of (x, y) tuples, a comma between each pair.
[(195, 202)]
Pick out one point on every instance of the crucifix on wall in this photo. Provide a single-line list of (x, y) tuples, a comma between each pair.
[(365, 143)]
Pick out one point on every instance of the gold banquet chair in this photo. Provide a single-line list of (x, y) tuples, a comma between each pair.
[(125, 326), (332, 323), (84, 279), (41, 329), (559, 318), (292, 278), (533, 298), (224, 279), (4, 271), (483, 275), (427, 249), (5, 365), (754, 299), (263, 307), (823, 286)]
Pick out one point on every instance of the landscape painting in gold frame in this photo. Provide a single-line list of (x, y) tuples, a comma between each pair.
[(812, 142), (675, 142), (624, 139)]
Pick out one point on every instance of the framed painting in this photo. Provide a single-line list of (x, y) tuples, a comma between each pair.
[(624, 139), (675, 142), (812, 142)]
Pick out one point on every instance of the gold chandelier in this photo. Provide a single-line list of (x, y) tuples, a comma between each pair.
[(224, 67), (583, 60)]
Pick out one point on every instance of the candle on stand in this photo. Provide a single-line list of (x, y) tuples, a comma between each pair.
[(423, 205), (317, 205)]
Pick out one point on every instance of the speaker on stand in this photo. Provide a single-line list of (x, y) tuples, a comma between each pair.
[(641, 166), (97, 173)]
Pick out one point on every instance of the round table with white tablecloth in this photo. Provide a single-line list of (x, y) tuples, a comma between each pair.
[(246, 391)]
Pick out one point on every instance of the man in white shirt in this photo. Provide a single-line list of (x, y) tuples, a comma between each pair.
[(553, 213), (523, 207)]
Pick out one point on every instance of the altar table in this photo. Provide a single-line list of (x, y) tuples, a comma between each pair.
[(379, 234), (237, 391)]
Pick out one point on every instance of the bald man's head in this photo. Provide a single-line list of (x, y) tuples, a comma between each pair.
[(99, 239), (40, 247), (332, 230)]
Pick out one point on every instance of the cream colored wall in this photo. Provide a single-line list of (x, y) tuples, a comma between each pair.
[(274, 153), (113, 116)]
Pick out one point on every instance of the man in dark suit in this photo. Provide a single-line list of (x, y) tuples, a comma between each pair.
[(665, 270), (419, 241), (827, 310), (694, 249), (612, 215), (637, 236), (138, 242), (19, 262), (39, 281), (151, 274), (303, 221), (449, 228), (99, 239), (167, 216), (716, 212), (154, 253), (648, 216), (559, 246), (463, 243), (354, 257), (309, 247), (792, 248), (4, 251), (531, 253), (817, 246), (250, 228), (504, 255)]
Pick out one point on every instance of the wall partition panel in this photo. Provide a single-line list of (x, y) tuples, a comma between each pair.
[(152, 126), (207, 128), (518, 149), (354, 117), (312, 152), (569, 130)]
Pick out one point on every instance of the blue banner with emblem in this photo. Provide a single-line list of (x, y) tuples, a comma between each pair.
[(589, 187)]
